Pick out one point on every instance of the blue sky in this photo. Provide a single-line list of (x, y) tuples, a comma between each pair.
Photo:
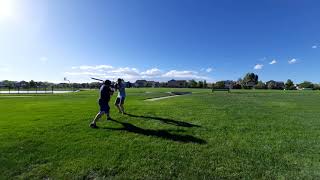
[(159, 39)]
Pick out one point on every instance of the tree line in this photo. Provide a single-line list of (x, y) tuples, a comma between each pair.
[(251, 81), (40, 84), (92, 85)]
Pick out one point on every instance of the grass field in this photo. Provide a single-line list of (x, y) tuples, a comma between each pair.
[(243, 134)]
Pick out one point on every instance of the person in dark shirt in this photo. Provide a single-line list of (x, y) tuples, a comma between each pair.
[(105, 95)]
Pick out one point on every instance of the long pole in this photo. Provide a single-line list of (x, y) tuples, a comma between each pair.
[(97, 79)]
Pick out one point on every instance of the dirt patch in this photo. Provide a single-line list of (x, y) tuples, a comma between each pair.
[(171, 95)]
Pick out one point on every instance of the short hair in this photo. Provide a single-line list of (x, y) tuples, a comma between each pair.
[(119, 79), (107, 82)]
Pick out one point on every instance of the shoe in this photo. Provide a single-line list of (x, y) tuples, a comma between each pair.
[(94, 126)]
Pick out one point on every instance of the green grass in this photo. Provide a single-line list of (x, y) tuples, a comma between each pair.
[(243, 134)]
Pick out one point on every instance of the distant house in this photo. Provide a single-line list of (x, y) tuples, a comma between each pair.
[(281, 85), (152, 84), (23, 84), (156, 84), (275, 85), (229, 84), (177, 83), (140, 83), (250, 84), (16, 84), (128, 84)]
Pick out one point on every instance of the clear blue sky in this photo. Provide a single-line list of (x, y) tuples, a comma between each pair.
[(159, 39)]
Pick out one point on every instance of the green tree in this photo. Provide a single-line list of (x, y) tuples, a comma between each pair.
[(289, 85), (219, 85), (249, 80), (200, 84), (32, 84), (316, 87), (8, 83), (193, 84), (205, 85), (260, 85), (306, 84)]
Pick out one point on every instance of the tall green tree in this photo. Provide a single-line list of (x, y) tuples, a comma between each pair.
[(249, 80), (205, 85), (192, 83), (289, 85), (32, 84), (200, 84)]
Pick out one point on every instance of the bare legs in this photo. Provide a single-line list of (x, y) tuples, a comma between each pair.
[(120, 108), (98, 116), (119, 104)]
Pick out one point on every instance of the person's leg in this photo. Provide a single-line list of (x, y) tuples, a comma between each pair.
[(122, 108), (98, 116), (108, 112), (117, 104), (122, 105)]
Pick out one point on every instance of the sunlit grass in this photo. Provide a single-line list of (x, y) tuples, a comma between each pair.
[(264, 134)]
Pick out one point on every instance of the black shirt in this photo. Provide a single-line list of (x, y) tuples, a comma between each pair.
[(105, 93)]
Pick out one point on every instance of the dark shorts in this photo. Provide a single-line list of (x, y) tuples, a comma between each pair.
[(104, 107), (120, 100)]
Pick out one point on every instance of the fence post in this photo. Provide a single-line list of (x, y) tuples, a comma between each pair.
[(36, 89), (52, 89), (18, 90), (45, 90), (9, 89)]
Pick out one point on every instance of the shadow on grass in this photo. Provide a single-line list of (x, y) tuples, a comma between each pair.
[(165, 120), (157, 133)]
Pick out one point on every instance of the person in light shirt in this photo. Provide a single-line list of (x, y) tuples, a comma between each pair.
[(119, 103)]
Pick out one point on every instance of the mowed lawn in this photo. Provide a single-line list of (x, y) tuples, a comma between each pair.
[(243, 134)]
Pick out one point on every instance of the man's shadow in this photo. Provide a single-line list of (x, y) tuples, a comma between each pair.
[(165, 134), (165, 120)]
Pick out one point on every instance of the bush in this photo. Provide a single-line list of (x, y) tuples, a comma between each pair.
[(219, 85), (316, 87), (260, 85), (236, 86), (306, 84)]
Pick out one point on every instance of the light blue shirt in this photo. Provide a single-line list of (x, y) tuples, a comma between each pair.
[(122, 90)]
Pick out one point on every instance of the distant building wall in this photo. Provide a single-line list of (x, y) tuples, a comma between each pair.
[(177, 83)]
